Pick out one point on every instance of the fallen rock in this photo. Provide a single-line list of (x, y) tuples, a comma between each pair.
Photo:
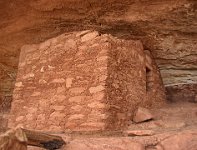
[(139, 132), (14, 139), (182, 141), (142, 114)]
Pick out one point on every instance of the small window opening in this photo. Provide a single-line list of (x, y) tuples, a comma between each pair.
[(148, 79)]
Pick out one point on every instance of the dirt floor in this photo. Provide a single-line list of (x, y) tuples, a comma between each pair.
[(174, 118)]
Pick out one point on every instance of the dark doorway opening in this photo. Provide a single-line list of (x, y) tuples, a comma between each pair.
[(148, 79)]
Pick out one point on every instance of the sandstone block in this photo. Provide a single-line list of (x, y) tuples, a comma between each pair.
[(76, 99), (102, 58), (96, 105), (139, 132), (93, 125), (60, 80), (77, 90), (30, 75), (76, 117), (19, 84), (142, 114), (95, 116), (51, 67), (61, 90), (102, 78), (99, 96), (58, 108), (69, 82), (182, 141), (32, 110), (41, 81), (36, 94), (76, 108), (96, 89), (58, 98)]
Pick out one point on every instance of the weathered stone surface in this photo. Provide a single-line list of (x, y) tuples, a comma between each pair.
[(139, 132), (69, 82), (142, 114), (96, 89), (181, 141), (161, 25)]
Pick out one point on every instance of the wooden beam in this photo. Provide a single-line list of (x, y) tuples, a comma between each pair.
[(47, 141)]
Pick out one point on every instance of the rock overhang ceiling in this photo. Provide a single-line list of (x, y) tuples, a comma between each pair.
[(167, 28)]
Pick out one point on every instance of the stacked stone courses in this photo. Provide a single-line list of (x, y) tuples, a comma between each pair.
[(83, 81)]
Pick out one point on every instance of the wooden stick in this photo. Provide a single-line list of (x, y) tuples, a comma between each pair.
[(39, 139)]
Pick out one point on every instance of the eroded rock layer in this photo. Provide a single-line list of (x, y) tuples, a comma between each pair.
[(182, 92)]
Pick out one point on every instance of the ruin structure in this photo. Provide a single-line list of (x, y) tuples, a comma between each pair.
[(84, 81)]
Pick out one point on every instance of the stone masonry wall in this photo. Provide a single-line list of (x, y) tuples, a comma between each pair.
[(82, 81)]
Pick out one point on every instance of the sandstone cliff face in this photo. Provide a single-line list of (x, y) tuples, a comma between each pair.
[(167, 28)]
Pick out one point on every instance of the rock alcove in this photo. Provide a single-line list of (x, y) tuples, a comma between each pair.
[(166, 28)]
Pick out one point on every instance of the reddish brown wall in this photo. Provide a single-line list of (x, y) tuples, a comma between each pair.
[(81, 82)]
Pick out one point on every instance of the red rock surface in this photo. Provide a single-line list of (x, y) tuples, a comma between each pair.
[(83, 81), (182, 141), (166, 28)]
